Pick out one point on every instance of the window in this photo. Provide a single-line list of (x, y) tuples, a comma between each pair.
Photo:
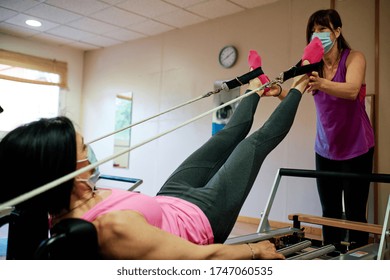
[(37, 70), (24, 102), (29, 88)]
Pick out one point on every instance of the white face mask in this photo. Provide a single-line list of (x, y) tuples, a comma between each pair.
[(91, 181), (325, 40)]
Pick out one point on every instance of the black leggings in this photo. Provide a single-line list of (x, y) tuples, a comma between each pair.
[(355, 196), (219, 175)]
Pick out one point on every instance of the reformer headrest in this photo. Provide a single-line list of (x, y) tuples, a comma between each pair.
[(71, 239)]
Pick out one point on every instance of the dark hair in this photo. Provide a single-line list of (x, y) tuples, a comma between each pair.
[(327, 18), (35, 154)]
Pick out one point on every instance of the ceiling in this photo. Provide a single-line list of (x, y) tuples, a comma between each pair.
[(94, 24)]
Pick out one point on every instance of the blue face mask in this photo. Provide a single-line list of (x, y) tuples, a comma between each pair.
[(325, 40), (91, 181)]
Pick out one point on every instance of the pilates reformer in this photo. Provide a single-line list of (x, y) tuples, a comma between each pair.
[(294, 245), (77, 230)]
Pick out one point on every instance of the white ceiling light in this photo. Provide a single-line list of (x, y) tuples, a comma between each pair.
[(33, 22)]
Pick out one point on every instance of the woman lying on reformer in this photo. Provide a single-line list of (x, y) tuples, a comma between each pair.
[(193, 213)]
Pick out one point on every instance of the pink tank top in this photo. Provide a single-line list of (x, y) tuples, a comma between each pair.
[(174, 215), (344, 130)]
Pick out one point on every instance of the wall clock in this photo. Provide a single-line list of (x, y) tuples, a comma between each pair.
[(228, 56)]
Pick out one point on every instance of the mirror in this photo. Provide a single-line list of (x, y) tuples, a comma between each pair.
[(123, 112)]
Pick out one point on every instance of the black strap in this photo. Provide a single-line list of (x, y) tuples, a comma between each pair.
[(286, 75), (300, 70), (244, 79)]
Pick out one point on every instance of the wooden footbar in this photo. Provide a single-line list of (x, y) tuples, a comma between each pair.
[(339, 223)]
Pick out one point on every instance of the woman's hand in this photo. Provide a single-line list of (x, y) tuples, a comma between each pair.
[(315, 81), (265, 250)]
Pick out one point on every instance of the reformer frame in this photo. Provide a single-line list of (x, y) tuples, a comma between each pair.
[(136, 182), (265, 232)]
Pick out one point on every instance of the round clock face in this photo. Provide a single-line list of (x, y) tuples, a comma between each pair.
[(228, 56)]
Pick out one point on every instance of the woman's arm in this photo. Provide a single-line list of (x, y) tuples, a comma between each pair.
[(355, 77), (127, 235)]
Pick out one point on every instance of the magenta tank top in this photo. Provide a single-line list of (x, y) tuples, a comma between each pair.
[(344, 130), (174, 215)]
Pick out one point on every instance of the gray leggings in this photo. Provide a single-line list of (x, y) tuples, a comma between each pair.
[(219, 175)]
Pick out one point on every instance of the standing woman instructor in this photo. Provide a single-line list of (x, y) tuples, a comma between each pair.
[(344, 138)]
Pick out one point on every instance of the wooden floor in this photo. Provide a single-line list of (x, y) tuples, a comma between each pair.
[(243, 228), (247, 225)]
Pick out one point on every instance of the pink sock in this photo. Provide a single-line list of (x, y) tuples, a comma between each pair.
[(254, 61), (314, 51)]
